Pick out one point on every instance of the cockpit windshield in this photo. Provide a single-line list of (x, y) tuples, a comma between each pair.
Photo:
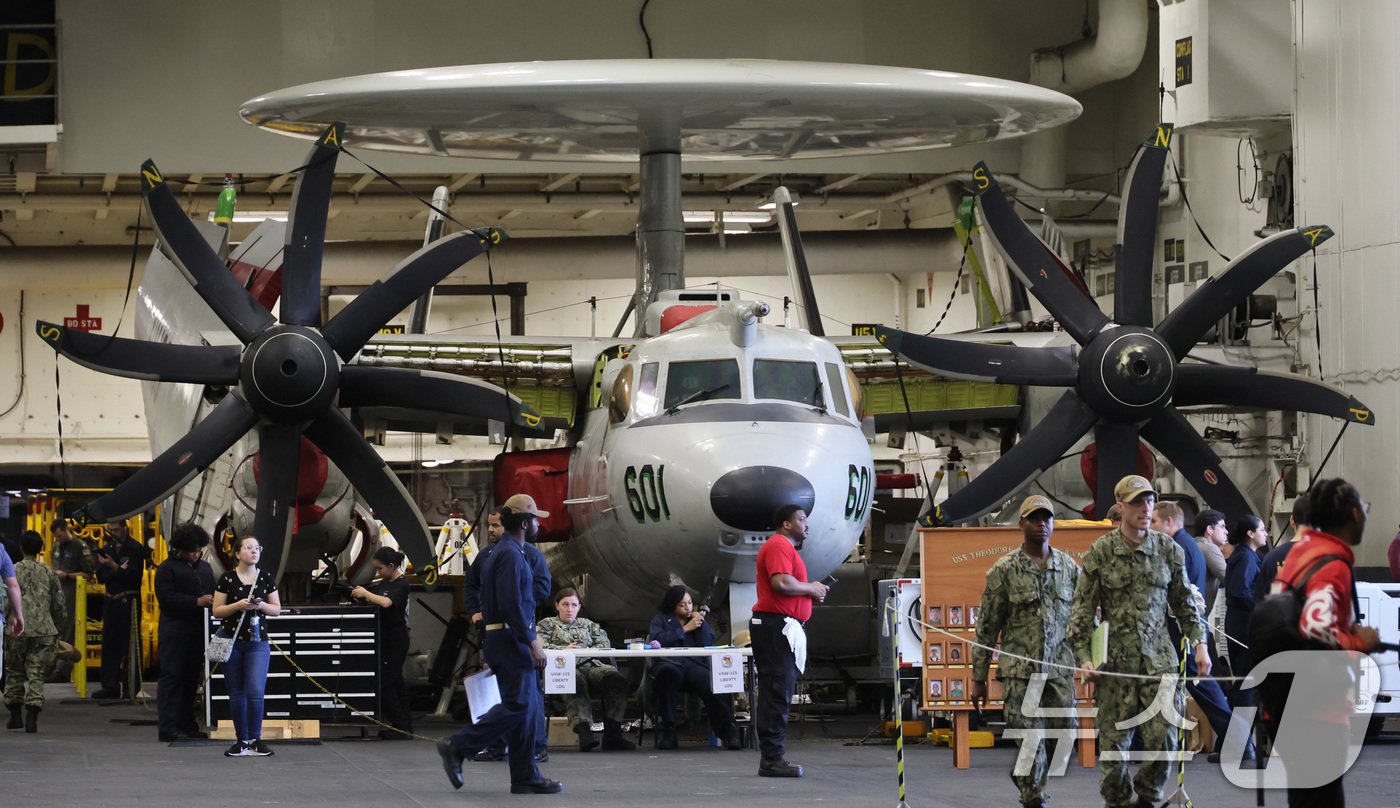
[(787, 380), (701, 380)]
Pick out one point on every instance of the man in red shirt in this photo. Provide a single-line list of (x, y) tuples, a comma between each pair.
[(779, 644)]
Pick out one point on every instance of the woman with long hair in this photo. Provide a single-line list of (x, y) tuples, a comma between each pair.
[(248, 593), (1241, 569), (390, 594), (677, 624)]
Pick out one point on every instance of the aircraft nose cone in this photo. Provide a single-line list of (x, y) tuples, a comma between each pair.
[(747, 498)]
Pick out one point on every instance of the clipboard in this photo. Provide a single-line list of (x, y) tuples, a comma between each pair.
[(1098, 645), (483, 693)]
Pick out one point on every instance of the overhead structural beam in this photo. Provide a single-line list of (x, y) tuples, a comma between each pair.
[(742, 181), (460, 181), (841, 183), (556, 184), (516, 291), (279, 182), (362, 182)]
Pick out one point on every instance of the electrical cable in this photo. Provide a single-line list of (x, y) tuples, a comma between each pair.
[(1047, 493), (909, 417), (537, 312), (1239, 172), (19, 392), (1187, 200), (957, 284), (1317, 317), (1318, 471), (490, 277), (642, 21)]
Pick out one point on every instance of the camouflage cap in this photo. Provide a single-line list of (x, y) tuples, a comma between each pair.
[(1036, 503), (1131, 487)]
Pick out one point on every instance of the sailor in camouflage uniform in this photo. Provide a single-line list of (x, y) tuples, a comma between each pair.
[(592, 675), (1134, 573), (1026, 606), (32, 653)]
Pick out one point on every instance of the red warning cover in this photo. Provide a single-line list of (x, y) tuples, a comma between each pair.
[(544, 475), (675, 315)]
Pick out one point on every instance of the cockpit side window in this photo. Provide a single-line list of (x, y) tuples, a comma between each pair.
[(834, 377), (701, 380), (787, 380), (646, 391)]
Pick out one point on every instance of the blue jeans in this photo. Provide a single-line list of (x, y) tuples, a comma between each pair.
[(245, 673)]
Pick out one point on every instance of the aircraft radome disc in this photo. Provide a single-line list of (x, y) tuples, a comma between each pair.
[(610, 110)]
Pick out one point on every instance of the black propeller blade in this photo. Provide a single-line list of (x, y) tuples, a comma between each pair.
[(380, 487), (1040, 449), (175, 466), (279, 462), (433, 392), (1185, 325), (197, 260), (1251, 387), (1006, 364), (348, 331), (1117, 458), (138, 359), (1043, 273), (1171, 434), (287, 375), (1127, 379), (306, 231), (1137, 231)]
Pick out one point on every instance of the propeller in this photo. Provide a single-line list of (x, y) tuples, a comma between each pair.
[(1125, 377), (289, 380)]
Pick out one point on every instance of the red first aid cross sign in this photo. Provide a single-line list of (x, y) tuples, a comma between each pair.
[(83, 320)]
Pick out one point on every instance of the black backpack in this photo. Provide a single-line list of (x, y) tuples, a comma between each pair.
[(1273, 626)]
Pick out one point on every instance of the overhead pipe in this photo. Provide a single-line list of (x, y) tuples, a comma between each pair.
[(1113, 53)]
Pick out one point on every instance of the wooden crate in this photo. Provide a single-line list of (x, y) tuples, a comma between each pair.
[(274, 729)]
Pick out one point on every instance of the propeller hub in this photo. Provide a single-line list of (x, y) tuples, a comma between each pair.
[(1127, 374), (289, 373)]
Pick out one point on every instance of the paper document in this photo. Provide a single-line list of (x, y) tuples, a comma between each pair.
[(1098, 645), (482, 693)]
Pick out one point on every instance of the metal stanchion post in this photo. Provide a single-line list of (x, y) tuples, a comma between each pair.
[(1179, 796), (892, 626)]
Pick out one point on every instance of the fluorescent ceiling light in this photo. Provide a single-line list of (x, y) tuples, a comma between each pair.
[(255, 215), (730, 216)]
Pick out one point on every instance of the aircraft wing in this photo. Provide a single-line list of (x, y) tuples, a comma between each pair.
[(546, 373), (932, 400)]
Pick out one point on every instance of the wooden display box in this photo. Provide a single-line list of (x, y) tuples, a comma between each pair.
[(954, 563), (560, 733), (274, 729)]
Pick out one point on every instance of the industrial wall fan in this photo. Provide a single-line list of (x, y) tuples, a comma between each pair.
[(289, 379), (1125, 375)]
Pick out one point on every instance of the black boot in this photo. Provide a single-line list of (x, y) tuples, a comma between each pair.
[(587, 741), (613, 739), (15, 720), (668, 738), (31, 719)]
